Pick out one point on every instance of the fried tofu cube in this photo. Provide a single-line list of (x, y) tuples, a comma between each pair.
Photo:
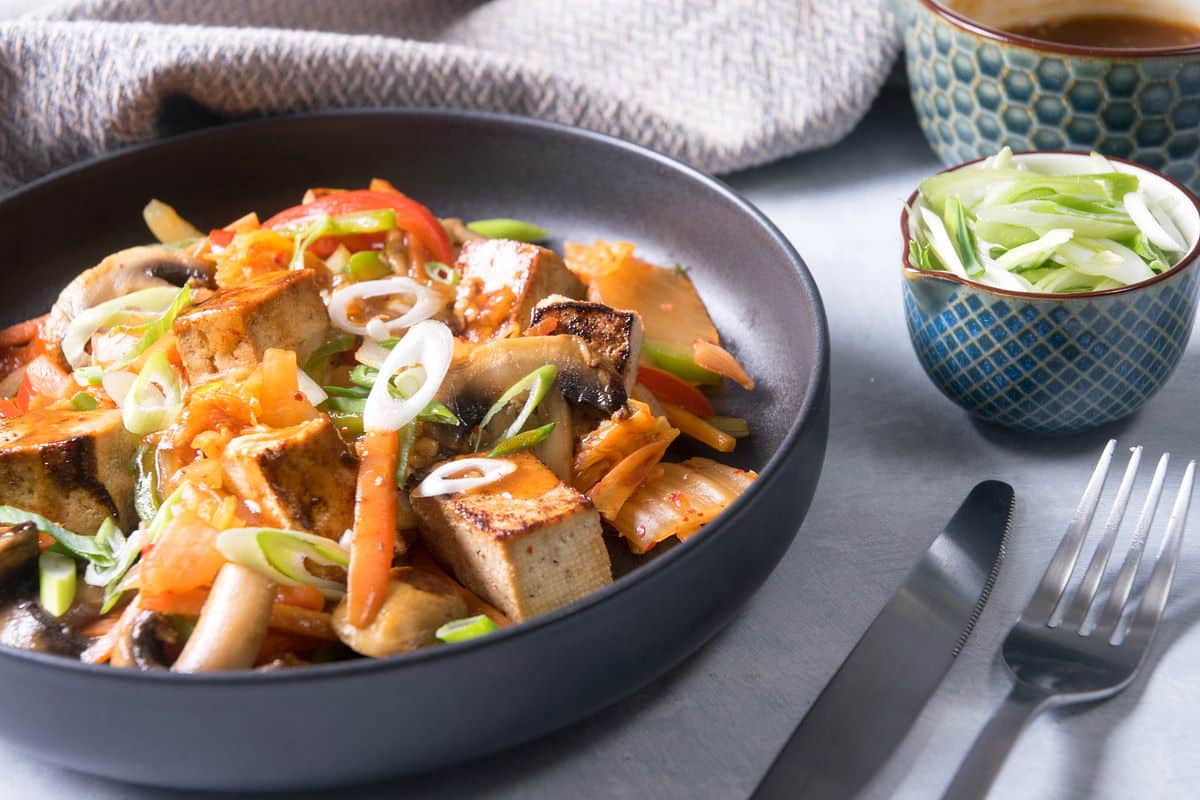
[(502, 281), (72, 467), (301, 478), (613, 335), (237, 324), (527, 543)]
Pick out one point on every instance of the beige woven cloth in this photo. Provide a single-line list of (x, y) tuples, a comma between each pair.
[(722, 84)]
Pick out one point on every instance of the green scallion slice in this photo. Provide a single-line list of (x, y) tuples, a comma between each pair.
[(462, 630), (504, 228), (56, 582), (82, 401), (522, 441), (368, 265)]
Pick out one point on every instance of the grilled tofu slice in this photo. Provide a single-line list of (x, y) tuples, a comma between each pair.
[(527, 543), (73, 467), (502, 281), (236, 325), (612, 335), (302, 477)]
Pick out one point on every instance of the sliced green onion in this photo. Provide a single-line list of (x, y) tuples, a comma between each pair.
[(89, 376), (56, 582), (961, 237), (1032, 254), (522, 441), (82, 401), (281, 555), (345, 405), (145, 487), (132, 309), (125, 551), (348, 423), (462, 630), (408, 437), (154, 330), (403, 385), (443, 273), (346, 391), (377, 221), (65, 542), (155, 398), (168, 509), (736, 427), (304, 236), (537, 383), (368, 265), (503, 228), (338, 343), (677, 360)]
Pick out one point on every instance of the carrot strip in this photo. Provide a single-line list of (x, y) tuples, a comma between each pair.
[(374, 527), (302, 621), (45, 541), (99, 627), (277, 644), (303, 596), (671, 389), (21, 333), (101, 650), (715, 358), (187, 603), (283, 403), (699, 429)]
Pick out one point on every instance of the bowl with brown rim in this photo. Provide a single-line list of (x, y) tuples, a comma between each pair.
[(1055, 363), (977, 87)]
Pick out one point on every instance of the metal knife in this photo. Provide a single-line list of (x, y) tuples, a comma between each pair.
[(867, 708)]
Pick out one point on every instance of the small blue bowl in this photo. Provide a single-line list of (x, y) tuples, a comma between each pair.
[(1055, 363)]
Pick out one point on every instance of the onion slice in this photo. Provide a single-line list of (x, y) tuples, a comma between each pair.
[(441, 480), (133, 308), (425, 303), (1147, 222), (315, 394), (427, 344)]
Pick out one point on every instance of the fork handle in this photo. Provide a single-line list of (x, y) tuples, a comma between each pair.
[(991, 747)]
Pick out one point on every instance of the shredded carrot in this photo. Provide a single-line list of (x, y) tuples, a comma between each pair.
[(699, 429), (277, 644), (99, 627), (374, 526), (303, 596), (22, 332), (303, 621), (715, 358), (671, 389), (101, 650), (45, 541), (283, 404)]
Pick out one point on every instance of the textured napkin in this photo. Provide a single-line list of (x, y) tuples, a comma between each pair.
[(722, 84)]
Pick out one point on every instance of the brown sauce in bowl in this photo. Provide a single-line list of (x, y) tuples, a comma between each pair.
[(1124, 31)]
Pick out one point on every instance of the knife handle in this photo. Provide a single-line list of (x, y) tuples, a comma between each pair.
[(986, 756)]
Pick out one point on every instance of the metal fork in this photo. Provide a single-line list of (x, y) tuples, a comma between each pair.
[(1061, 663)]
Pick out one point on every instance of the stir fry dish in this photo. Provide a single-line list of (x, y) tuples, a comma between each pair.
[(349, 429)]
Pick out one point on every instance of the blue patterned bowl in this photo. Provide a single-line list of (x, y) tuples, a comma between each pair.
[(977, 88), (1055, 363)]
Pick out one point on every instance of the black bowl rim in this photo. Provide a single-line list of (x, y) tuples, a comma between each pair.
[(960, 20), (908, 270), (815, 380)]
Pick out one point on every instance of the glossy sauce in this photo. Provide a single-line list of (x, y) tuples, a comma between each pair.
[(1128, 31)]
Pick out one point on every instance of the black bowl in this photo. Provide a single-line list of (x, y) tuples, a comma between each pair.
[(367, 719)]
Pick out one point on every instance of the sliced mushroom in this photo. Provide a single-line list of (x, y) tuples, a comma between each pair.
[(232, 624), (474, 383), (417, 604), (121, 273), (18, 554), (24, 624), (149, 637)]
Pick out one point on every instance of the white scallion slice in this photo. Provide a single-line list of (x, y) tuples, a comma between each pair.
[(311, 389), (135, 308), (427, 344), (1139, 211), (56, 582), (1033, 253), (281, 555), (939, 239), (442, 481), (1106, 259), (423, 304), (154, 399)]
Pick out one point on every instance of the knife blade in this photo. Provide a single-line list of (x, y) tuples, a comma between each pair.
[(865, 711)]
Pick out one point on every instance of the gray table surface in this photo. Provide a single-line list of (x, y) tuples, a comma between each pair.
[(900, 459)]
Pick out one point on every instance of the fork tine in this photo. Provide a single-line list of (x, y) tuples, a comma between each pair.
[(1154, 599), (1120, 591), (1045, 598), (1086, 593)]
